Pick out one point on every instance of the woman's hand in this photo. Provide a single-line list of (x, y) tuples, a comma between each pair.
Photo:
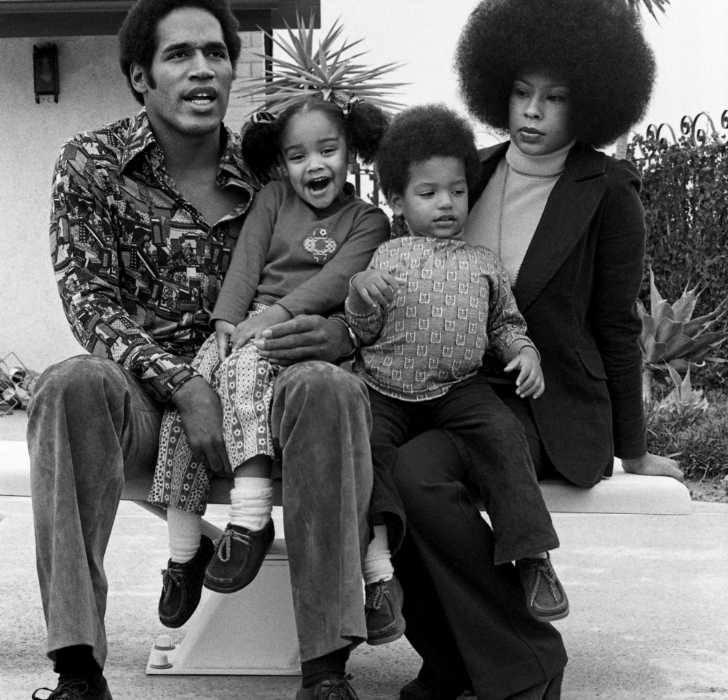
[(223, 333), (370, 289), (530, 381), (253, 326), (653, 465)]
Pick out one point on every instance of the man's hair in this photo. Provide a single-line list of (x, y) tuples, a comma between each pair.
[(138, 33), (595, 47), (418, 134)]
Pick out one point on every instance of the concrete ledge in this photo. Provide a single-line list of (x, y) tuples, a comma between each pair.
[(621, 493)]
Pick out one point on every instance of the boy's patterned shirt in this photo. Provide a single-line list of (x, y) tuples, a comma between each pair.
[(456, 303), (137, 267)]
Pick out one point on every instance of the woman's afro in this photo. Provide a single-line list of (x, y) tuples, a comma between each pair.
[(418, 134), (595, 46)]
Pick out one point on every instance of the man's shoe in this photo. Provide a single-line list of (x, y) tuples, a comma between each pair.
[(238, 557), (545, 596), (383, 611), (182, 586), (75, 689), (329, 689)]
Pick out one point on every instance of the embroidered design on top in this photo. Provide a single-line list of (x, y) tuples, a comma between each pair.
[(321, 247)]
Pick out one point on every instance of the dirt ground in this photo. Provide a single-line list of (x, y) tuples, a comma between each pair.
[(715, 490)]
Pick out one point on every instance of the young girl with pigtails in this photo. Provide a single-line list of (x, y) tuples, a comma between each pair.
[(303, 239)]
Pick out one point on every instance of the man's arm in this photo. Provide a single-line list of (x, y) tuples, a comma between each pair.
[(85, 254)]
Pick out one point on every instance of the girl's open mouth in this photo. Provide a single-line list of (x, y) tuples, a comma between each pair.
[(319, 184)]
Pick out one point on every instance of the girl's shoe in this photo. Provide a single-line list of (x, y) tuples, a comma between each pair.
[(238, 557), (182, 586)]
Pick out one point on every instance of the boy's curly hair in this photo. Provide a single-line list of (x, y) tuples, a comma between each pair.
[(138, 33), (418, 134), (595, 46)]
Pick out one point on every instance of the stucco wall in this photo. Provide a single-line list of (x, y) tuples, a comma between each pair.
[(92, 92)]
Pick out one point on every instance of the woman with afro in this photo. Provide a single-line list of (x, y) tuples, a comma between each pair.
[(562, 77)]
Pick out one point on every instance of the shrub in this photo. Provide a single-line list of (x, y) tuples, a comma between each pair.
[(696, 437)]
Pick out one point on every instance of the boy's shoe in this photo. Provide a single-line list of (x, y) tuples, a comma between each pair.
[(419, 690), (329, 689), (238, 557), (545, 596), (182, 586), (75, 689), (383, 611)]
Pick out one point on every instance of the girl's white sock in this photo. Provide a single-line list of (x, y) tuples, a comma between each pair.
[(251, 502), (378, 560), (184, 531)]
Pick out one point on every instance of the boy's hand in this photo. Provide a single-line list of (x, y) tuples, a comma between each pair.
[(529, 382), (253, 326), (372, 288), (223, 335)]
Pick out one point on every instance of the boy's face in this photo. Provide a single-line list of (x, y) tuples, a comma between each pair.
[(435, 201), (187, 87), (539, 114)]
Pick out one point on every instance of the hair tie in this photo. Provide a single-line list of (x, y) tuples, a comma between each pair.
[(262, 117)]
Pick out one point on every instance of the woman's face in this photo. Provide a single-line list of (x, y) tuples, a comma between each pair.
[(539, 114)]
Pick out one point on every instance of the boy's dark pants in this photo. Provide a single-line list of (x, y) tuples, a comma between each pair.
[(492, 447)]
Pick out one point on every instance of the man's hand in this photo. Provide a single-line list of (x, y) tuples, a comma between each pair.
[(253, 326), (223, 337), (370, 289), (530, 381), (304, 338), (201, 413)]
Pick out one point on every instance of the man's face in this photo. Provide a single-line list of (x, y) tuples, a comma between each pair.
[(187, 88)]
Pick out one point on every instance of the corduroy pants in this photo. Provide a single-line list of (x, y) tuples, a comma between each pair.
[(91, 426)]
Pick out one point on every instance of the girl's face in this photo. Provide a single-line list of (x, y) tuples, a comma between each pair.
[(315, 155), (539, 114), (435, 201)]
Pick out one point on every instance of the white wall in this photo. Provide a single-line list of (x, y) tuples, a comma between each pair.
[(92, 92)]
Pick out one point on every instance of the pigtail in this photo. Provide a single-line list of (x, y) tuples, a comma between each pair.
[(260, 145), (365, 126)]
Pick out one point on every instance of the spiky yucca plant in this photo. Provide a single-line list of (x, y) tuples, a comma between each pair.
[(670, 335), (328, 67), (650, 5)]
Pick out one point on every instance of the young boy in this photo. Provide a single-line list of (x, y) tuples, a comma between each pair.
[(426, 310)]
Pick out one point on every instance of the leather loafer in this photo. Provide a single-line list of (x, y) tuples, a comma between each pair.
[(238, 557), (182, 586), (545, 596)]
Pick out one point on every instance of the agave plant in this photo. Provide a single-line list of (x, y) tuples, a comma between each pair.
[(330, 68), (684, 398), (670, 336)]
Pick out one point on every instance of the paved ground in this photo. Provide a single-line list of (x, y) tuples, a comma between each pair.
[(648, 621)]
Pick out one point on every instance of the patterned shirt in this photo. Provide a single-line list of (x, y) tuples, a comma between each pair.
[(456, 303), (137, 266)]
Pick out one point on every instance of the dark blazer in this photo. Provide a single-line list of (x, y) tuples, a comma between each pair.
[(576, 289)]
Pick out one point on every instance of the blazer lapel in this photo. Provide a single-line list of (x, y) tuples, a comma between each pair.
[(569, 209)]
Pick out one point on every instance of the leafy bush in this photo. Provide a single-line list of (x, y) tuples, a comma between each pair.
[(685, 195), (696, 436)]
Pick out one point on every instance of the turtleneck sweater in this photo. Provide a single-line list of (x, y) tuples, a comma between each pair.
[(507, 213)]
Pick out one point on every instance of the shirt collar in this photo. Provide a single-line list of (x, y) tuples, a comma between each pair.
[(231, 170)]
